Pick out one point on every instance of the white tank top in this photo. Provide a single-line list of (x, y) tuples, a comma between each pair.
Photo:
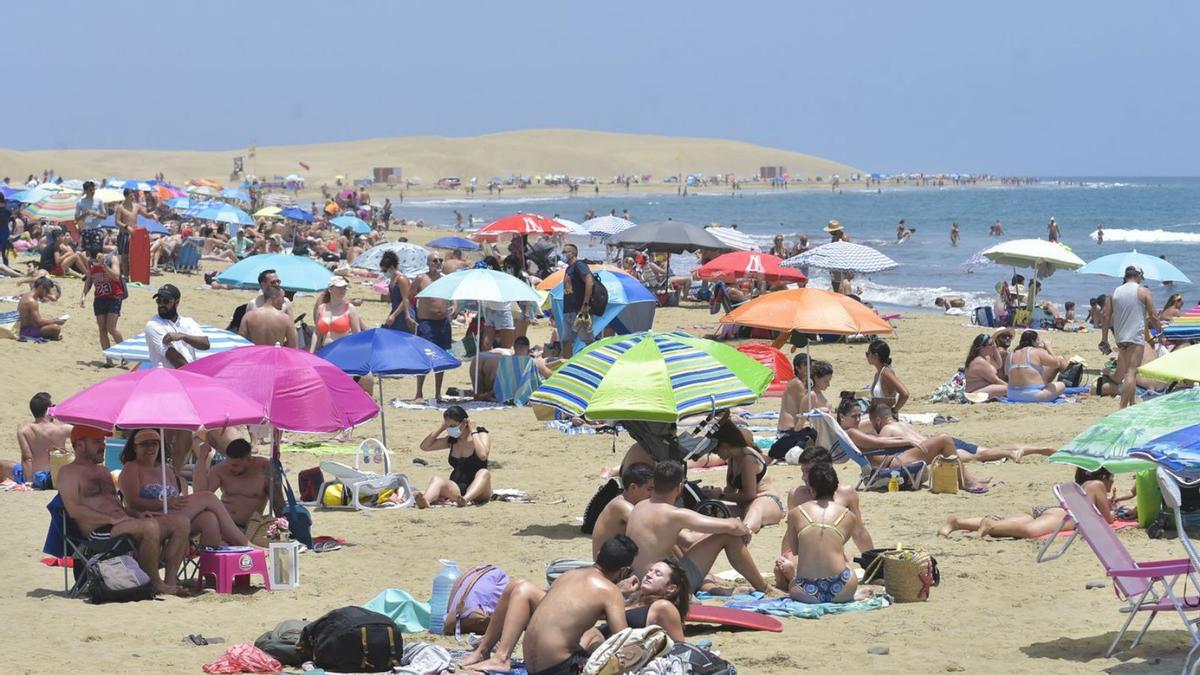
[(1128, 315)]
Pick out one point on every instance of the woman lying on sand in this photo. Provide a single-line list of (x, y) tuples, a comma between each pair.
[(746, 481), (470, 481), (661, 599), (1042, 520)]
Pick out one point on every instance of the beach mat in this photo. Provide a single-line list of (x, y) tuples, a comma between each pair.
[(804, 610), (1114, 526), (466, 405)]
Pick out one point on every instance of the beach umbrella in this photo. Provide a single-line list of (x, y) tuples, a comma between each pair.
[(182, 203), (221, 212), (121, 184), (1177, 452), (746, 265), (672, 236), (556, 277), (454, 244), (73, 184), (573, 227), (164, 191), (134, 349), (34, 195), (160, 398), (8, 192), (842, 256), (606, 226), (296, 273), (1153, 267), (56, 207), (731, 237), (481, 285), (236, 195), (808, 310), (1107, 443), (653, 377), (204, 190), (414, 259), (1181, 364), (630, 305), (519, 224), (149, 224), (356, 224), (268, 212), (299, 391), (1039, 254), (297, 214), (109, 195), (976, 261), (384, 351), (1184, 327)]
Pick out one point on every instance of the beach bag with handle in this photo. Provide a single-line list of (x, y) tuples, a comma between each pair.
[(117, 578), (908, 572), (473, 599), (352, 640), (628, 651), (945, 476)]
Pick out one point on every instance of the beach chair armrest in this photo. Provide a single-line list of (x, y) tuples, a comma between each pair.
[(1180, 567), (1175, 562)]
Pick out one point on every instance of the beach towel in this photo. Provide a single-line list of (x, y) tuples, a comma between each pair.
[(1114, 526), (1068, 396), (516, 379), (466, 405), (244, 658), (565, 427), (804, 610), (409, 614)]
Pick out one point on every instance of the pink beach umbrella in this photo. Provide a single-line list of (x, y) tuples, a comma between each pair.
[(160, 398), (300, 391)]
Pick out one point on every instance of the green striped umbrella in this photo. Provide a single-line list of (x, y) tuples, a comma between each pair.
[(1107, 443), (653, 377)]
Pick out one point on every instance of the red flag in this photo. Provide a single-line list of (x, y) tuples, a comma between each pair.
[(306, 167)]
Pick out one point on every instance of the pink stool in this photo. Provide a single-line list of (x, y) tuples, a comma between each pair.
[(225, 566)]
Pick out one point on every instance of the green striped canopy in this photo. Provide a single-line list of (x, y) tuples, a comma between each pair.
[(1107, 443), (653, 377)]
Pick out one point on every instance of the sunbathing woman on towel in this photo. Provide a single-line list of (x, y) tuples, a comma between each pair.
[(746, 481), (469, 445), (1042, 520), (812, 564)]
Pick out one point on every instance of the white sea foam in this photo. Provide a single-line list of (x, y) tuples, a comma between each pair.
[(917, 296), (1149, 236)]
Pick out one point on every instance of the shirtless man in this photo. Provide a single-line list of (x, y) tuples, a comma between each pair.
[(887, 426), (127, 213), (655, 526), (90, 498), (268, 285), (793, 426), (572, 606), (433, 319), (245, 485), (455, 262), (36, 439), (638, 481), (33, 324), (269, 324), (491, 361)]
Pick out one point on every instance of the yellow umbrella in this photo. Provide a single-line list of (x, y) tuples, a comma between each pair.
[(1181, 364), (268, 212)]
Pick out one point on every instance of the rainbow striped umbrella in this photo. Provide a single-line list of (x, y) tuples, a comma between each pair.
[(1186, 327), (56, 207), (653, 377)]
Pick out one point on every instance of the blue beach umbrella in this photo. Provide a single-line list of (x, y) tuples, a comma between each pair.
[(356, 224), (153, 226), (1114, 264), (122, 184), (220, 212), (454, 244), (1178, 452), (383, 351), (296, 273), (237, 195), (297, 214), (630, 306), (181, 203)]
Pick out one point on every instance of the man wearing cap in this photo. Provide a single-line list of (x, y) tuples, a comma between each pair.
[(90, 498), (172, 339), (1126, 314)]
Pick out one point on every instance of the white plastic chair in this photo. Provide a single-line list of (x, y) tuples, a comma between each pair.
[(359, 482)]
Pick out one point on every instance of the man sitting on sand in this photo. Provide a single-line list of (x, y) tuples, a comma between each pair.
[(245, 484), (638, 481), (793, 429), (33, 324), (489, 362), (36, 439), (655, 525), (91, 500), (269, 324)]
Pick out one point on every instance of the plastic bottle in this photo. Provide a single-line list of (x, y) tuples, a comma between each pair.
[(440, 602), (894, 483)]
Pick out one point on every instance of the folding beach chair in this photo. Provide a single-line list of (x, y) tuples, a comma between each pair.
[(1147, 586), (832, 436), (1169, 489), (516, 379), (359, 483), (187, 257), (65, 540)]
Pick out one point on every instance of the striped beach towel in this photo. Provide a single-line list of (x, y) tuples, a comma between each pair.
[(516, 379)]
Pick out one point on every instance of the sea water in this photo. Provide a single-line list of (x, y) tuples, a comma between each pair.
[(1157, 216)]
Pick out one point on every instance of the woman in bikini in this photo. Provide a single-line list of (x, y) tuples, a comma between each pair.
[(336, 317), (886, 386), (746, 481), (660, 599), (982, 368), (816, 536), (1042, 520), (1027, 381), (141, 484), (470, 481), (1172, 309)]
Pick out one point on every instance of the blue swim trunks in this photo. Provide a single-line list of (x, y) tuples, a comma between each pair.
[(41, 479), (960, 444)]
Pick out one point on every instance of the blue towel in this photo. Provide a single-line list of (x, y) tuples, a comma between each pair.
[(804, 610), (1069, 391), (409, 614)]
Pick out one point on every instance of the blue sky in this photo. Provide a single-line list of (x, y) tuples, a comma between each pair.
[(1039, 88)]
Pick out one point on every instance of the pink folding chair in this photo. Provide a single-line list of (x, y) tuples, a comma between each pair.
[(1147, 586)]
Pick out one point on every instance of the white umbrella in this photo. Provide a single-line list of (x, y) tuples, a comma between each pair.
[(738, 241), (606, 226), (1044, 256), (414, 259), (572, 227), (842, 256)]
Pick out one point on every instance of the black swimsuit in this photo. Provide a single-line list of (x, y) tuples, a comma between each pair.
[(463, 469), (735, 480)]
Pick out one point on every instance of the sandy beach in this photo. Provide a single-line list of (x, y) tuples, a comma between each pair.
[(995, 611)]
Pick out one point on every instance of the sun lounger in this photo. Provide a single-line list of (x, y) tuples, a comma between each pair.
[(832, 436), (1147, 586), (361, 483)]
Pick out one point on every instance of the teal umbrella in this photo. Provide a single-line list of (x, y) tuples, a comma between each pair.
[(1107, 443), (296, 273)]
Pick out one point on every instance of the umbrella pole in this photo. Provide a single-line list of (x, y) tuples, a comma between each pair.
[(162, 452), (478, 348), (382, 423)]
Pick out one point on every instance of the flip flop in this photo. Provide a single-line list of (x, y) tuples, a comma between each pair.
[(978, 490)]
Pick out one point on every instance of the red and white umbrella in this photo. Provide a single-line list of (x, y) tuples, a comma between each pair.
[(520, 224), (748, 265)]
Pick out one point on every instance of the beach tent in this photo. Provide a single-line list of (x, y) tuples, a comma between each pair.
[(630, 308)]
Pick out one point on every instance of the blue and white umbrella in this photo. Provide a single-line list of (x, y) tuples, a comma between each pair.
[(297, 214), (220, 212), (1114, 264), (843, 256), (606, 226), (630, 305), (414, 260), (481, 285), (236, 195), (122, 184), (296, 272), (356, 224), (454, 244), (151, 225), (34, 195), (135, 349)]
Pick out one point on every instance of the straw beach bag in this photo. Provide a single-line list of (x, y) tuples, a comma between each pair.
[(946, 475), (908, 573)]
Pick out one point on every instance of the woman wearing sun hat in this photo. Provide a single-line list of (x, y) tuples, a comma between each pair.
[(836, 231)]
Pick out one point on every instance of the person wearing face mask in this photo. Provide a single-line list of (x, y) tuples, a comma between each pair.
[(469, 445)]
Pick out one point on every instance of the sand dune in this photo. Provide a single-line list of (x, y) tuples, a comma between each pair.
[(533, 152)]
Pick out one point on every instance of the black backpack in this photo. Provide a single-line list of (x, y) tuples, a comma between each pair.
[(352, 639), (599, 301), (700, 661)]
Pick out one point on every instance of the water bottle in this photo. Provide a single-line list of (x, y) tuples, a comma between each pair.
[(439, 604), (894, 483)]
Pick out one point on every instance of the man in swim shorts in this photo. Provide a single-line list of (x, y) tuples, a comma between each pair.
[(36, 439), (433, 319)]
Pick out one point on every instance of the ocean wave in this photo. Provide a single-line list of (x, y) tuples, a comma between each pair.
[(1150, 236), (917, 296), (481, 201)]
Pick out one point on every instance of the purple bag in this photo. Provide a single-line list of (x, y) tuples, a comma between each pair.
[(473, 600)]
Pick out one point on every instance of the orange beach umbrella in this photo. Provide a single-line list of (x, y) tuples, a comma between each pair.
[(808, 310), (556, 277)]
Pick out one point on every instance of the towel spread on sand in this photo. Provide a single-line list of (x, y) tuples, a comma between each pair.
[(804, 610), (1114, 526), (565, 427), (467, 405), (1068, 397)]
